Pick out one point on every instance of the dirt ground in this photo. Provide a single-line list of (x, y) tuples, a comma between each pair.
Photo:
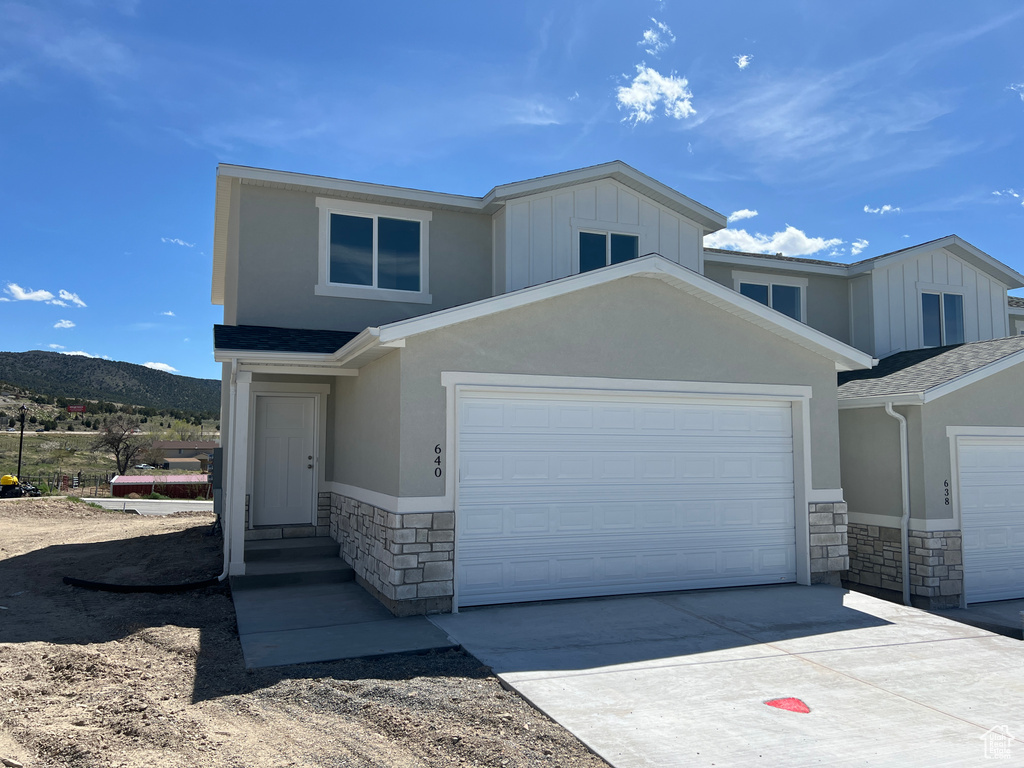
[(146, 680)]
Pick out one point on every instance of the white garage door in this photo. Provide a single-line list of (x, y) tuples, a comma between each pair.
[(573, 495), (992, 516)]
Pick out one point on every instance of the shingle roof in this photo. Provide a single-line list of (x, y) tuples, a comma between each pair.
[(263, 338), (1015, 301), (774, 257), (919, 370)]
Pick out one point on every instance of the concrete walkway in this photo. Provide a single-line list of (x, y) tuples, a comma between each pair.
[(324, 622), (683, 678), (1002, 617)]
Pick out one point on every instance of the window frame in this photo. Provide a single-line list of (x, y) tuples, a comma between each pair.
[(324, 287), (941, 291), (759, 278), (606, 228)]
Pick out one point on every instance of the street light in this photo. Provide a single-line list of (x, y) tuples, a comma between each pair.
[(21, 440)]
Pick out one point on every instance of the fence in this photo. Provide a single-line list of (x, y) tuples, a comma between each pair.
[(77, 484)]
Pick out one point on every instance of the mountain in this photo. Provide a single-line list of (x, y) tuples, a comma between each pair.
[(89, 378)]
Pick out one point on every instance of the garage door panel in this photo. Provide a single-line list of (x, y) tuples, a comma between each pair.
[(609, 497), (483, 522), (992, 517)]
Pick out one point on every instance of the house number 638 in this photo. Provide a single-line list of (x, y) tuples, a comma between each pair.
[(946, 485), (437, 460)]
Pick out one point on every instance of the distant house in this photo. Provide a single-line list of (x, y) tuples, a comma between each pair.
[(186, 464), (185, 449)]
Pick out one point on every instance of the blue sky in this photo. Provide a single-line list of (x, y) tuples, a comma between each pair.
[(850, 129)]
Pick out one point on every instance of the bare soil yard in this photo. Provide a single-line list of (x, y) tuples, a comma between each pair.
[(143, 680)]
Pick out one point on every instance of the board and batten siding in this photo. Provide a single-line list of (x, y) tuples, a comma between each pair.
[(896, 296), (542, 231)]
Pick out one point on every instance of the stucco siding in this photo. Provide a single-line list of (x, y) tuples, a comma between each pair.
[(869, 450), (634, 328), (542, 231), (996, 401), (365, 425), (279, 260), (826, 297), (896, 298)]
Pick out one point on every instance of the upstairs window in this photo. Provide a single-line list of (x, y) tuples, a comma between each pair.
[(783, 294), (373, 252), (600, 249), (942, 319)]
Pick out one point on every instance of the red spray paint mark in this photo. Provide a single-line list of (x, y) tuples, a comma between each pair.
[(790, 705)]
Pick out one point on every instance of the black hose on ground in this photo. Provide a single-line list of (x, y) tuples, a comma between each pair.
[(159, 589)]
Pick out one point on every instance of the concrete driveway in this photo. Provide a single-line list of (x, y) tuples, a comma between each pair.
[(682, 678)]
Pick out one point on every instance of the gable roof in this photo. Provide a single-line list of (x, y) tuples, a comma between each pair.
[(1016, 302), (921, 375), (952, 243), (376, 342), (228, 175), (263, 338)]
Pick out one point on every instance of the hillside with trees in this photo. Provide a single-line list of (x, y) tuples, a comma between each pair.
[(73, 377)]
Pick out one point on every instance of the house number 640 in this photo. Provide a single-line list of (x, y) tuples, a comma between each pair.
[(437, 460)]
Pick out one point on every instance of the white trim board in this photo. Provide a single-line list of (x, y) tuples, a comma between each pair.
[(893, 521), (843, 356), (398, 505)]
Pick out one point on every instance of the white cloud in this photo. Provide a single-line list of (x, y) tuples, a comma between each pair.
[(791, 242), (161, 367), (657, 38), (575, 95), (56, 346), (168, 313), (1010, 193), (177, 241), (857, 247), (745, 213), (882, 210), (72, 297), (743, 61), (22, 294), (63, 324), (1019, 88), (650, 87)]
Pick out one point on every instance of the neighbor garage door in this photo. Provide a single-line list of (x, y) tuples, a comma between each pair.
[(570, 495), (992, 517)]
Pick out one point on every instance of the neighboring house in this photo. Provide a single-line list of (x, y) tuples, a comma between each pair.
[(184, 464), (1015, 310), (185, 449), (552, 390)]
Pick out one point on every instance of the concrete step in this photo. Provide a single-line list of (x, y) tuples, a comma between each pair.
[(291, 572), (291, 549)]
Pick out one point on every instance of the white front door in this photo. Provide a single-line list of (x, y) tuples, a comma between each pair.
[(992, 517), (572, 495), (284, 478)]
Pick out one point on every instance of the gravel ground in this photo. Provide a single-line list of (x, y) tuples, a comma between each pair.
[(142, 680)]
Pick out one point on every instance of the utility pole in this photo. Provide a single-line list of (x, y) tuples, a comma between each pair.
[(21, 441)]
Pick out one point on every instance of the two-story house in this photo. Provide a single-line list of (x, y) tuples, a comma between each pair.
[(554, 390)]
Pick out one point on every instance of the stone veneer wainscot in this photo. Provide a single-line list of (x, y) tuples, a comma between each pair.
[(936, 565), (406, 561), (829, 552)]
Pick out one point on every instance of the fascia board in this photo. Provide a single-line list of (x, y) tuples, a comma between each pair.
[(839, 270), (845, 356), (367, 339), (709, 219), (290, 179), (222, 216), (956, 246), (268, 356), (879, 401), (997, 366)]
